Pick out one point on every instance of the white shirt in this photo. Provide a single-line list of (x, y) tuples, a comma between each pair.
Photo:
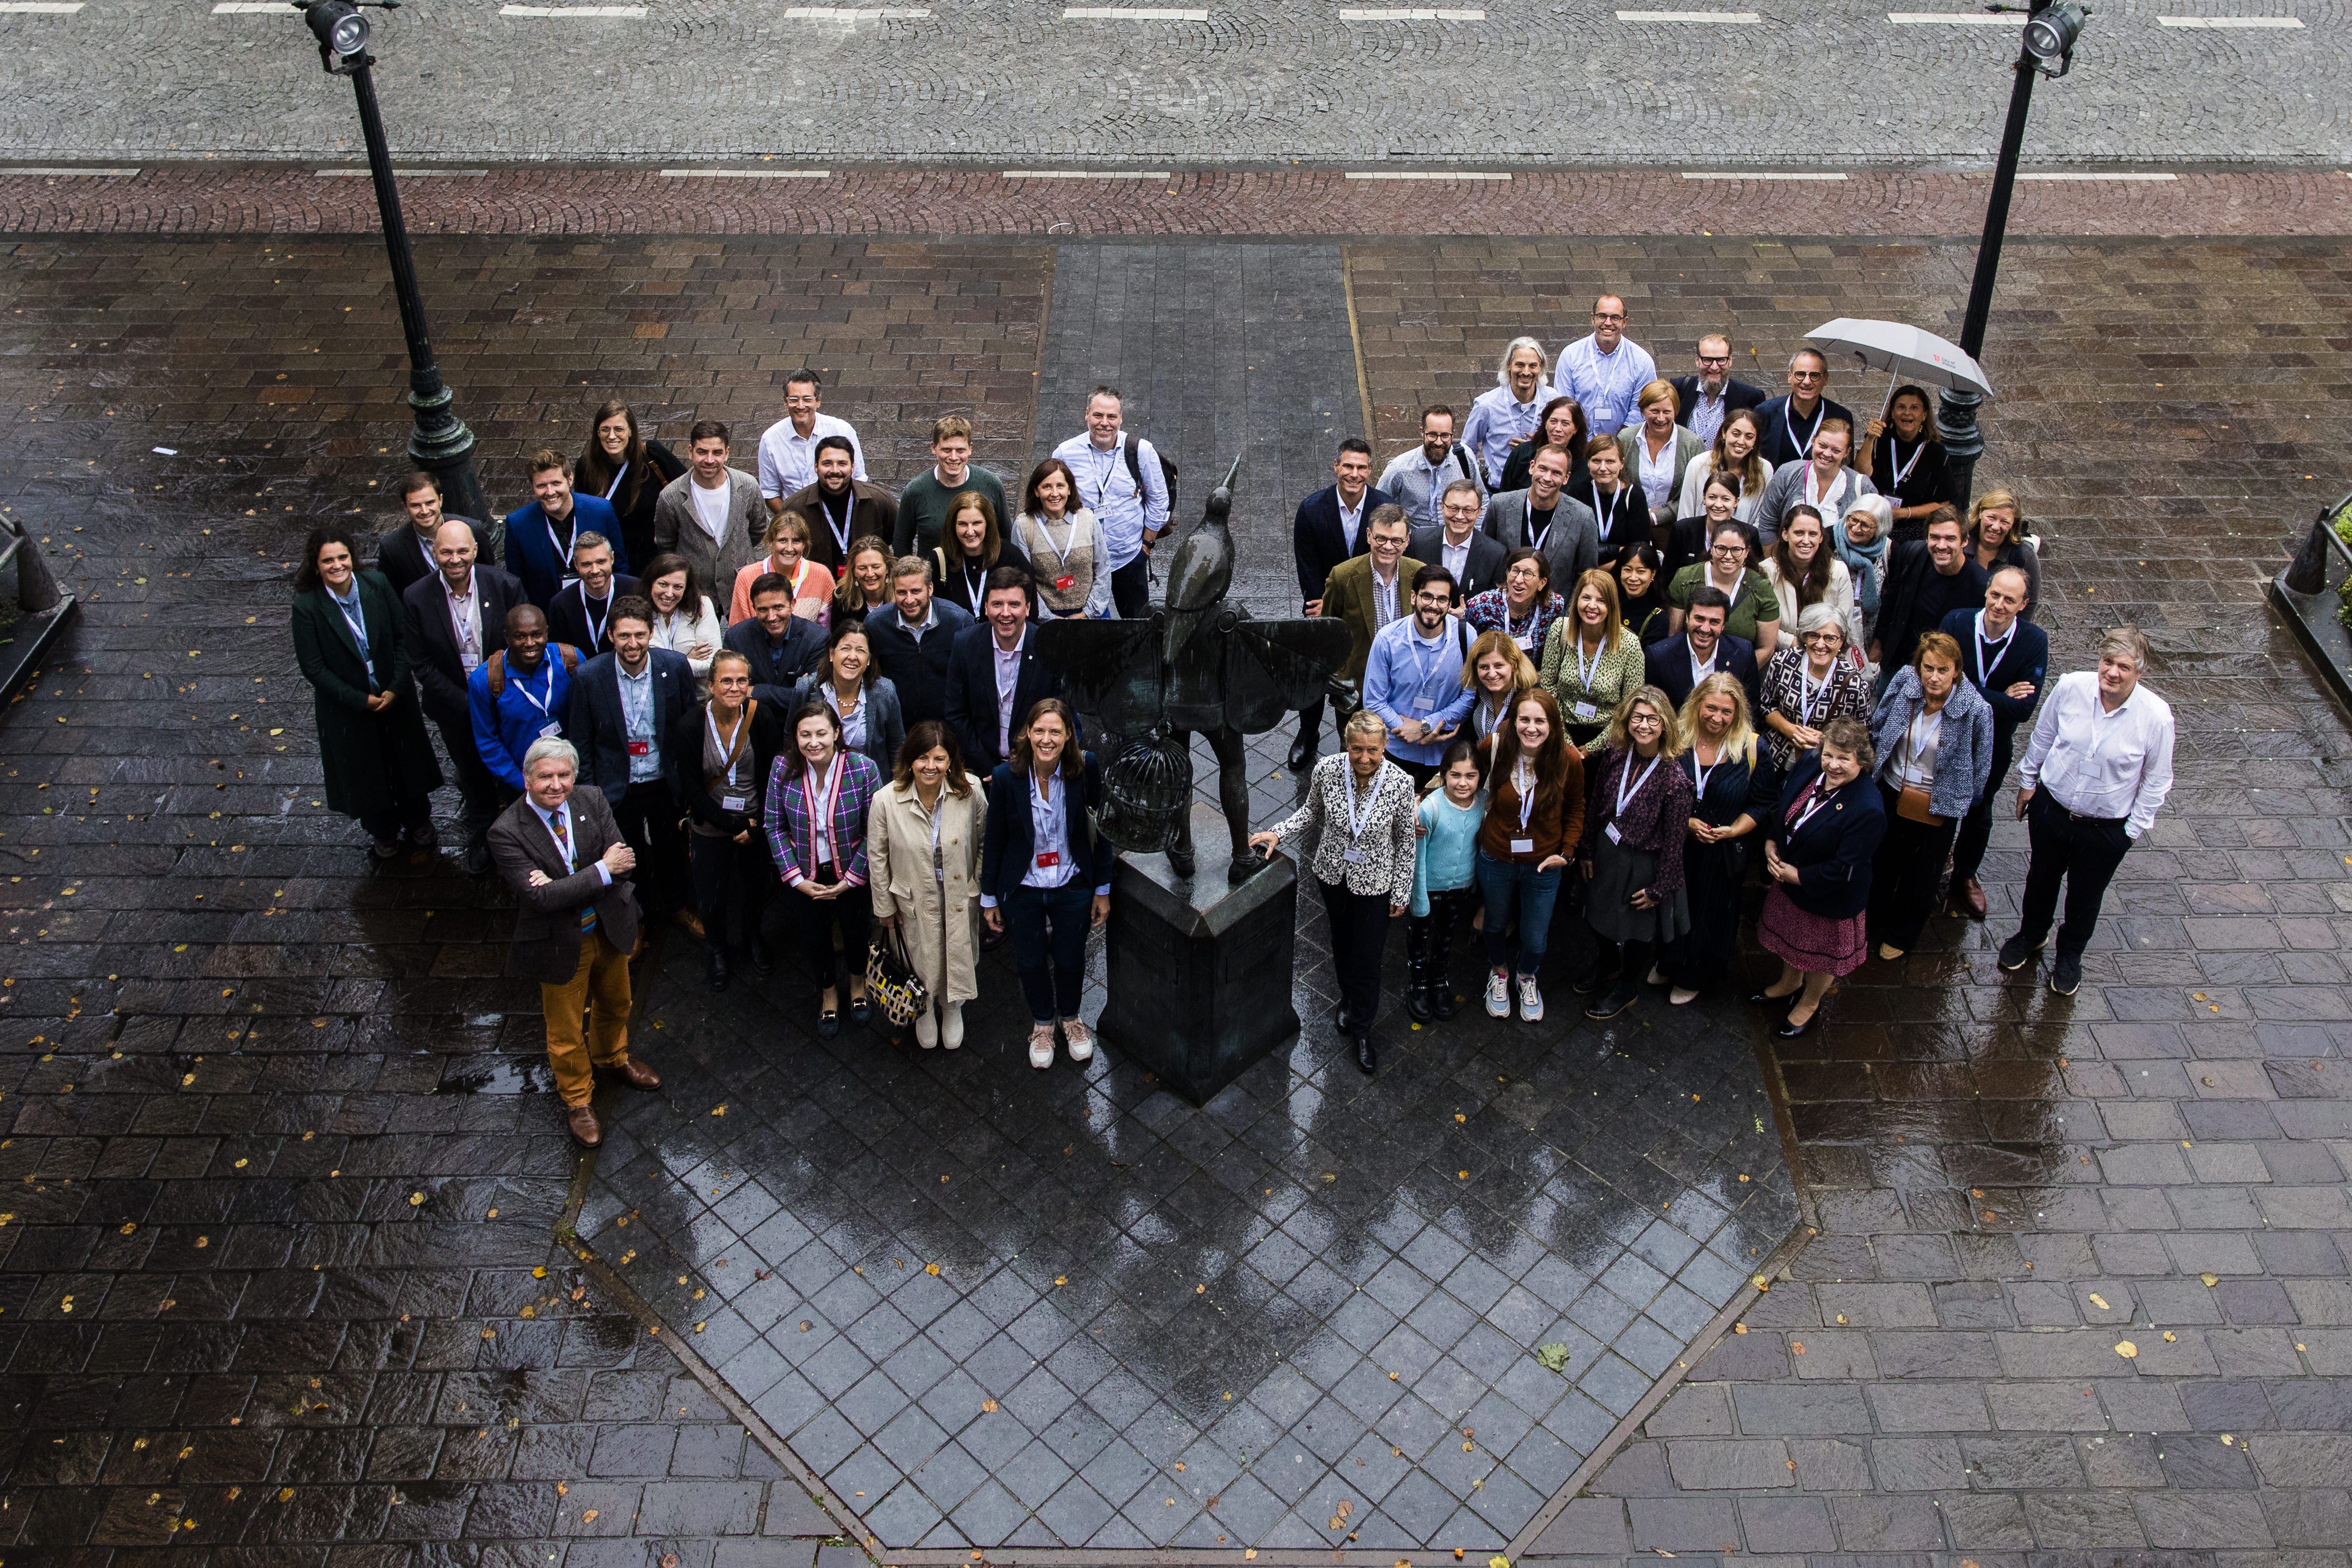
[(710, 506), (788, 459), (466, 620), (2100, 764), (1658, 472), (1108, 491), (1351, 519), (1008, 680), (1454, 558), (1604, 385)]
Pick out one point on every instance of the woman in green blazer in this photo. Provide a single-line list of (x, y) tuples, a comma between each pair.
[(379, 765)]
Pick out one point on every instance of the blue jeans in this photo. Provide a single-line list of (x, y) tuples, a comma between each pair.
[(1508, 886), (1050, 923)]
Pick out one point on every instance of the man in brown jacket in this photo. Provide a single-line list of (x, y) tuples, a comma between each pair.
[(1369, 591), (575, 923)]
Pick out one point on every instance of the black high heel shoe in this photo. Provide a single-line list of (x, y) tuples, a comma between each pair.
[(1788, 1031), (1765, 999)]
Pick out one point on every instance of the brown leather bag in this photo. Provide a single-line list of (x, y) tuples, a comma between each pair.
[(1912, 807)]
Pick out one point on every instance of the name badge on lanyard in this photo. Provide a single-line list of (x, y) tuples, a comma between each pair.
[(1626, 792), (1355, 855)]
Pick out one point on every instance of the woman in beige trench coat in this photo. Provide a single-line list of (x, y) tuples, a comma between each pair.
[(922, 846)]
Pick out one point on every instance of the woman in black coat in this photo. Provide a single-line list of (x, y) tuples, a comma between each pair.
[(1817, 851), (629, 470), (379, 765), (720, 754)]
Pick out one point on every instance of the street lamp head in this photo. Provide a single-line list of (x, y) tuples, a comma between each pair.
[(2051, 33), (343, 34)]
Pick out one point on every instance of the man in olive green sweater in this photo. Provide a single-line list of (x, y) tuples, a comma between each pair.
[(923, 505)]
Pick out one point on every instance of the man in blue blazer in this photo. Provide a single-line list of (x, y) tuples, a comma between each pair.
[(625, 707), (540, 536), (995, 676), (1331, 526), (1680, 663), (1706, 400), (782, 646), (913, 639), (2006, 659)]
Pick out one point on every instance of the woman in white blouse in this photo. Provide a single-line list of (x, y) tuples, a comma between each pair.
[(1658, 452), (684, 622), (1733, 455)]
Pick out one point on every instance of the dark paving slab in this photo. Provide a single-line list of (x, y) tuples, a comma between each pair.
[(2014, 1189)]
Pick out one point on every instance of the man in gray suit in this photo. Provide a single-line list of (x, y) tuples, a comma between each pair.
[(712, 514), (1542, 517), (1458, 544), (575, 924)]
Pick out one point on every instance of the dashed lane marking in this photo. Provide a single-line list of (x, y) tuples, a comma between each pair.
[(1738, 19), (1755, 174), (2294, 22), (1948, 19), (2088, 175), (1089, 174), (400, 173), (1425, 175), (855, 14), (1131, 14), (747, 173), (30, 170), (1410, 14), (570, 11), (39, 7)]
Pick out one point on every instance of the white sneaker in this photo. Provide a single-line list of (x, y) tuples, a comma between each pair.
[(927, 1030), (1040, 1046), (951, 1025), (1082, 1044), (1530, 999), (1682, 996), (1498, 995)]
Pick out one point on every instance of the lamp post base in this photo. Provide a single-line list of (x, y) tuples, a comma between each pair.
[(1963, 439)]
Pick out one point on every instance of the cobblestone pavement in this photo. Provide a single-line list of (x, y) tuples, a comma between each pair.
[(201, 198), (222, 1021), (1510, 83)]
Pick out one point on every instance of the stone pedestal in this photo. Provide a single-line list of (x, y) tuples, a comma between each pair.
[(1200, 971)]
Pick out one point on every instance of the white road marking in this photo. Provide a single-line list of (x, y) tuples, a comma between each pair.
[(42, 8), (1088, 174), (851, 14), (1416, 14), (60, 173), (1754, 175), (2093, 176), (401, 173), (2294, 22), (254, 9), (571, 10), (747, 173), (1735, 18), (1129, 14), (1950, 19), (1424, 174)]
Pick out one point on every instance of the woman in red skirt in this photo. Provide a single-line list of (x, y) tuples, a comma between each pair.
[(1817, 851)]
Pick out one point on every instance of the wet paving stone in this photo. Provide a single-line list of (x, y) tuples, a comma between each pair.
[(233, 1055)]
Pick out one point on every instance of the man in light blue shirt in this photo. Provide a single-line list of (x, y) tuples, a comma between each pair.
[(1416, 481), (1413, 679), (1127, 490), (1605, 370), (1507, 414)]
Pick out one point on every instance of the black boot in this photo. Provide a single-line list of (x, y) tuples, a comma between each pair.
[(715, 971), (1418, 1000), (1302, 750), (1439, 976), (1367, 1062), (763, 961)]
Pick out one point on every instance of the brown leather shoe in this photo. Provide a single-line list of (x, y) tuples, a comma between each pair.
[(636, 1074), (584, 1130), (1969, 897), (689, 922)]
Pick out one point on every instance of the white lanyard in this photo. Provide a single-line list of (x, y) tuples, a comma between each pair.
[(355, 618), (1426, 658), (1356, 819), (1512, 631), (614, 489), (1989, 654), (1523, 781), (1821, 799), (595, 627), (1110, 470), (562, 549), (1911, 731), (1701, 773), (1804, 449), (1069, 537), (1903, 470), (1585, 672), (728, 756), (518, 684), (1604, 515), (848, 520), (1809, 696), (1535, 540), (1624, 794)]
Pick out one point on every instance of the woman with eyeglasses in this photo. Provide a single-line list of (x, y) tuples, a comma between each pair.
[(1806, 685), (1687, 544), (1754, 608)]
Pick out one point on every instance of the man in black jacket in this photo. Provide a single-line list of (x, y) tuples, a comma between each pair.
[(406, 556), (1788, 424), (1703, 648), (625, 704), (1712, 396), (456, 618), (1328, 529), (1476, 557), (582, 614), (995, 676), (913, 638), (2006, 661), (1926, 579), (782, 646)]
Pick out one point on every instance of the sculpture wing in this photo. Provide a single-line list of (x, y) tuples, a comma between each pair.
[(1275, 667), (1111, 670)]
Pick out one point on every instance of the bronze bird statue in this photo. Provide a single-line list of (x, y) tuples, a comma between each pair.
[(1202, 569)]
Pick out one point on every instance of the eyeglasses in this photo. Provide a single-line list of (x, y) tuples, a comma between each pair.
[(1807, 375), (1715, 359), (1728, 550), (1607, 316)]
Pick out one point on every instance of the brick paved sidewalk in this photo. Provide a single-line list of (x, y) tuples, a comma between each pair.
[(231, 1040), (223, 199)]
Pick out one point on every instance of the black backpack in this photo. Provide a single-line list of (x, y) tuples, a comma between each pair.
[(1135, 467)]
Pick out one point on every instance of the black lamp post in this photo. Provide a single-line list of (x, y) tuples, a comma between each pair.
[(2046, 50), (440, 444)]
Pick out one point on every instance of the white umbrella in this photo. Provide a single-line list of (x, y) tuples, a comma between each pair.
[(1905, 352)]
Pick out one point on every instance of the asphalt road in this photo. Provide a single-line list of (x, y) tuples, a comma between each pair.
[(1016, 83)]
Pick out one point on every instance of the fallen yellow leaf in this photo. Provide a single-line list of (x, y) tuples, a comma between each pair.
[(2127, 1350), (931, 1268)]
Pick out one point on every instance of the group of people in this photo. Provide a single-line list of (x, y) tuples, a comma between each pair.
[(1599, 640)]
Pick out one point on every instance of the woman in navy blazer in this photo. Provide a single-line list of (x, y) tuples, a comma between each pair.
[(1817, 851), (1048, 890)]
